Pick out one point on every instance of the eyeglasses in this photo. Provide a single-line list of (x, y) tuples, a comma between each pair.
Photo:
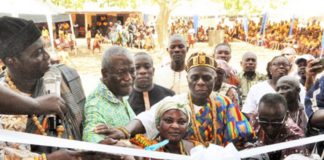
[(286, 54), (267, 123), (278, 64)]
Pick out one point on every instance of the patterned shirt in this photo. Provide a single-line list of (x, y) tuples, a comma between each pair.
[(103, 107), (245, 83), (231, 92), (289, 132)]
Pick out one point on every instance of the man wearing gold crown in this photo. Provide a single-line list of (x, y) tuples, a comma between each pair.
[(215, 119)]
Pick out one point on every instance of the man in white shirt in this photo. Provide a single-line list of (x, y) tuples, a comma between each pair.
[(172, 75)]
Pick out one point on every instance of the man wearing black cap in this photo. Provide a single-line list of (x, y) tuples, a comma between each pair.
[(301, 63), (22, 51)]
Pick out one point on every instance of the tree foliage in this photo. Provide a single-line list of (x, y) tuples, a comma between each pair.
[(79, 4), (250, 7)]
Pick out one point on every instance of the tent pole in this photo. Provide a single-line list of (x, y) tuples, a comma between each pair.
[(50, 28), (73, 35)]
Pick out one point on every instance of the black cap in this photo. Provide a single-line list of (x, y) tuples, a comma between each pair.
[(16, 35)]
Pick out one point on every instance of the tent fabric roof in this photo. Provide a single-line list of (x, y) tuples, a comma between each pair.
[(37, 7), (42, 18)]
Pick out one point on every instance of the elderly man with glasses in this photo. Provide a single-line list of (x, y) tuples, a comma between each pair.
[(276, 127)]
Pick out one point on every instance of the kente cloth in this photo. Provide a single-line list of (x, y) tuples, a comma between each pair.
[(289, 132), (142, 141), (231, 125), (231, 92), (136, 99)]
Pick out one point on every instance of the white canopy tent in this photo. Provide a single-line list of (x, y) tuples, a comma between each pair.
[(302, 9), (199, 8), (36, 10)]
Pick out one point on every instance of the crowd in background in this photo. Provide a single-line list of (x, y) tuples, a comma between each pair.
[(131, 33), (306, 39), (135, 33)]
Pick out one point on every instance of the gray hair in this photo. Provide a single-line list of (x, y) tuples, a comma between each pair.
[(291, 80), (114, 51)]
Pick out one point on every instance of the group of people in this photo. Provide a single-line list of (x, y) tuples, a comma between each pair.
[(305, 39), (199, 100), (130, 34), (186, 29)]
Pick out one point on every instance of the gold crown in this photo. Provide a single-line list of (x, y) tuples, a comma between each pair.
[(200, 59)]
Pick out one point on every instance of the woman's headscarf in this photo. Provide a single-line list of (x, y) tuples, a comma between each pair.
[(165, 106)]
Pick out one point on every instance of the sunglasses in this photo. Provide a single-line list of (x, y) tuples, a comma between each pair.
[(286, 54), (267, 123)]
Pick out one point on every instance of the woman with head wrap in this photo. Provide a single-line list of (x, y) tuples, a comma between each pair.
[(172, 119)]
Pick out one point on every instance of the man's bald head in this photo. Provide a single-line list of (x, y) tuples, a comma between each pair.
[(177, 37), (249, 63), (290, 80), (289, 87), (177, 49), (249, 55)]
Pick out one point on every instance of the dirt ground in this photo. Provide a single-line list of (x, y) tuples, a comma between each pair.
[(88, 64)]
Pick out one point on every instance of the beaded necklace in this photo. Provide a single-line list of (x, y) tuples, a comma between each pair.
[(41, 128), (194, 124)]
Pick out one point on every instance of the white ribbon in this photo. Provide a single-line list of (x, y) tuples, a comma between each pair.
[(27, 138), (280, 146)]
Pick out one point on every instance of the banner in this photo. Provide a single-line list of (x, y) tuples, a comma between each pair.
[(246, 27), (27, 138), (264, 23), (195, 22), (145, 18), (291, 26)]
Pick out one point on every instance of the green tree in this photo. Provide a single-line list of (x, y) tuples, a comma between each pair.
[(249, 7), (163, 20)]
